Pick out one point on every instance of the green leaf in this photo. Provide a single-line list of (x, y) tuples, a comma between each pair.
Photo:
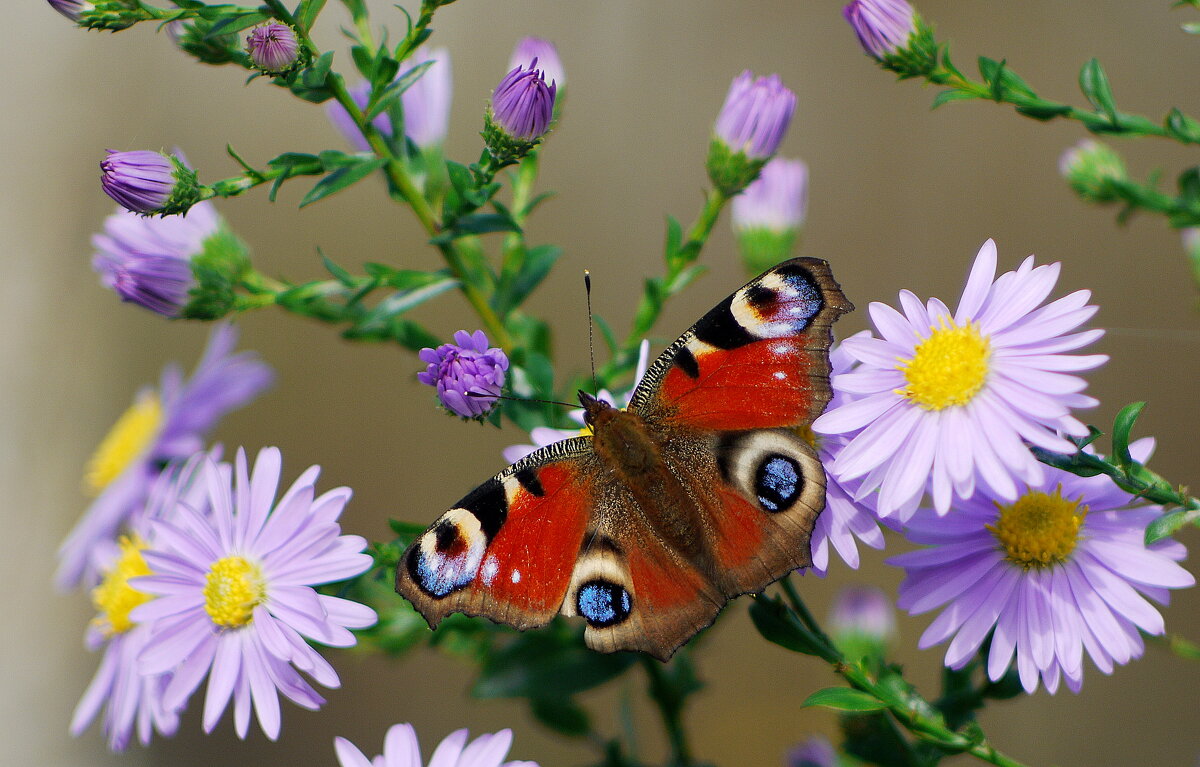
[(674, 239), (1040, 109), (844, 699), (407, 532), (402, 301), (339, 274), (562, 715), (1182, 127), (306, 15), (945, 97), (396, 88), (778, 624), (478, 223), (1122, 426), (1167, 525), (552, 659), (411, 335), (1094, 84), (317, 74), (538, 262), (231, 24), (340, 179)]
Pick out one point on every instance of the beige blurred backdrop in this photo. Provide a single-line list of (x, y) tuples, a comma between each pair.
[(900, 197)]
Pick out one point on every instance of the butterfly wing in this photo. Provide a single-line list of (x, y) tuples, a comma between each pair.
[(506, 551)]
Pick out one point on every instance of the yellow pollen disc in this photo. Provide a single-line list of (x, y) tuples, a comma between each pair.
[(233, 588), (1039, 529), (948, 368), (114, 598), (129, 436)]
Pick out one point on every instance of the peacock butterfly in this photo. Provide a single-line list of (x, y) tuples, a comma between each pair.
[(701, 490)]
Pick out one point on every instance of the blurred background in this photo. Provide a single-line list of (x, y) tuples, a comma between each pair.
[(901, 197)]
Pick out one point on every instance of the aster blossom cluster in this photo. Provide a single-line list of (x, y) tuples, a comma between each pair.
[(468, 374)]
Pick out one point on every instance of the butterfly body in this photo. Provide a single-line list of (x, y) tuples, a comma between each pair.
[(703, 489)]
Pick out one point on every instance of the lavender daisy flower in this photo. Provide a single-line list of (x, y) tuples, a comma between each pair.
[(468, 374), (883, 26), (129, 698), (531, 49), (147, 261), (544, 435), (273, 47), (72, 9), (755, 115), (234, 597), (401, 749), (950, 400), (817, 751), (148, 182), (1060, 571), (161, 426)]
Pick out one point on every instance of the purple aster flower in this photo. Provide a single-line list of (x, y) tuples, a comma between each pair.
[(148, 182), (162, 426), (129, 698), (817, 751), (401, 749), (426, 105), (523, 104), (971, 389), (273, 47), (755, 116), (776, 200), (234, 597), (883, 26), (148, 260), (72, 9), (531, 49), (544, 435), (1060, 571), (464, 368), (863, 611)]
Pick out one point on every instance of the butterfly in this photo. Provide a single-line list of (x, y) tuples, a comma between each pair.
[(703, 489)]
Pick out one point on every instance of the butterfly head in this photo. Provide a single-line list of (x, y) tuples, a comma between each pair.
[(594, 409)]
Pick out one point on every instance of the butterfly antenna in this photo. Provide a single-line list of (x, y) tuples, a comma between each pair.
[(521, 399), (587, 289)]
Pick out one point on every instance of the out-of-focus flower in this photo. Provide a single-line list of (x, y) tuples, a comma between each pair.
[(467, 374), (273, 47), (149, 182), (129, 698), (148, 261), (862, 622), (71, 8), (401, 749), (544, 435), (531, 49), (1061, 570), (341, 119), (748, 131), (770, 212), (1090, 168), (234, 598), (971, 388), (426, 105), (883, 26), (817, 751), (162, 426)]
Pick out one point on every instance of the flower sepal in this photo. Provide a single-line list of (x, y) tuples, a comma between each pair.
[(730, 170), (762, 248), (194, 37), (219, 268), (916, 58), (504, 148), (111, 15)]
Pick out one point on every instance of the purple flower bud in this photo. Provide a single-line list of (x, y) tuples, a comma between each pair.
[(465, 366), (427, 101), (817, 751), (273, 47), (531, 49), (72, 9), (523, 104), (883, 26), (776, 200), (147, 260), (863, 611), (147, 182), (755, 115)]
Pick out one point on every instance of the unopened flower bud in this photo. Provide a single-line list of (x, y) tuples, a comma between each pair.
[(194, 37), (521, 112), (149, 182), (817, 751), (748, 130), (112, 15), (468, 374), (72, 9), (862, 622), (1090, 168), (768, 215), (883, 26), (273, 48), (531, 49)]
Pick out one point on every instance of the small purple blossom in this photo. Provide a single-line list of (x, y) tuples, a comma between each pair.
[(72, 9), (523, 104), (776, 201), (817, 751), (426, 105), (756, 115), (531, 49), (401, 749), (883, 26), (863, 611), (147, 260), (273, 47), (141, 181), (464, 368), (234, 597)]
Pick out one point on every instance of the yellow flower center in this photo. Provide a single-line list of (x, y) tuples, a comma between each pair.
[(233, 588), (1039, 529), (127, 439), (948, 368), (114, 598)]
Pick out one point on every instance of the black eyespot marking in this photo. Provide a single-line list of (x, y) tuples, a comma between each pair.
[(446, 535), (721, 329), (489, 505), (436, 581), (807, 293), (529, 481), (777, 482), (761, 297), (603, 603), (686, 361)]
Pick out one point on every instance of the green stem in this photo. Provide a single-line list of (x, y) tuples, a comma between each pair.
[(671, 711), (237, 185)]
